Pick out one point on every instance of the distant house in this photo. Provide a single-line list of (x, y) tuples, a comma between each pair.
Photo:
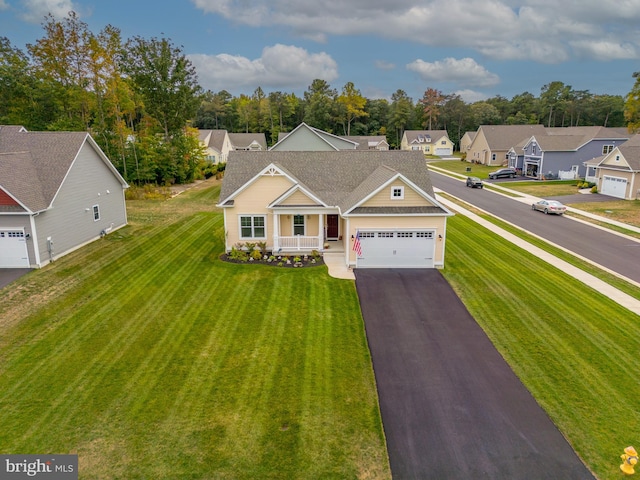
[(369, 142), (492, 143), (58, 192), (562, 152), (218, 143), (429, 142), (253, 142), (466, 140), (618, 172), (300, 201), (307, 138)]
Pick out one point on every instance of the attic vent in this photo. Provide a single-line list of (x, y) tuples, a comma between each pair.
[(272, 172)]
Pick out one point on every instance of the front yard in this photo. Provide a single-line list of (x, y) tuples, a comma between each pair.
[(149, 357)]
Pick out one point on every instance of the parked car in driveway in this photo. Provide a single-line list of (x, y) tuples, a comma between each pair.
[(474, 182), (549, 206), (503, 172)]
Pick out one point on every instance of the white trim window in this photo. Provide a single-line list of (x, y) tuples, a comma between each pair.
[(607, 149), (397, 193), (96, 213), (253, 226), (298, 225)]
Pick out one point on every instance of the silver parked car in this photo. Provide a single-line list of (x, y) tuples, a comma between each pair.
[(549, 206)]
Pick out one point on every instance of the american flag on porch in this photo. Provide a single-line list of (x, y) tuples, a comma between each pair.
[(356, 244)]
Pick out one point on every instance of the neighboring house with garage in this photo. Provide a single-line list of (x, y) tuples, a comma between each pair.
[(492, 143), (300, 201), (561, 152), (58, 192), (429, 142), (618, 172)]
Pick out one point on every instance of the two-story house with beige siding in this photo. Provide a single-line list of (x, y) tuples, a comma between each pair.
[(429, 142)]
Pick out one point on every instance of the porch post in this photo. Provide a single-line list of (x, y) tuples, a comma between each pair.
[(320, 231), (276, 230)]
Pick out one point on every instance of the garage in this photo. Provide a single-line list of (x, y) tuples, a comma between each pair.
[(396, 249), (13, 249), (614, 186), (442, 152)]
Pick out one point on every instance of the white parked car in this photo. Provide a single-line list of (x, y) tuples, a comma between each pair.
[(549, 206)]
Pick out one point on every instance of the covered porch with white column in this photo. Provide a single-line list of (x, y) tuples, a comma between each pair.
[(301, 230)]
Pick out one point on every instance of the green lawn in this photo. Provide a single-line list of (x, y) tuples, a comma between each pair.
[(150, 358), (573, 348)]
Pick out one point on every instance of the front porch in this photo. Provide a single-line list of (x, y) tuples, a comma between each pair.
[(302, 230), (302, 243)]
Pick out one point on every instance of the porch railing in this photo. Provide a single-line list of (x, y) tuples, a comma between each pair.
[(297, 242)]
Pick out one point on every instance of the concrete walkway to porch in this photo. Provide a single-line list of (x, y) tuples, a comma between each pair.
[(336, 266)]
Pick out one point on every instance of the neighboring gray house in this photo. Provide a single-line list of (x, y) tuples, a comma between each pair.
[(563, 151), (58, 192), (306, 138)]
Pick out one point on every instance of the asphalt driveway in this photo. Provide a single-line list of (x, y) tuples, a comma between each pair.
[(8, 275), (451, 406)]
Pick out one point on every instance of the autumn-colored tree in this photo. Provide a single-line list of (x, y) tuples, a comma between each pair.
[(431, 102), (632, 106), (353, 103), (62, 58)]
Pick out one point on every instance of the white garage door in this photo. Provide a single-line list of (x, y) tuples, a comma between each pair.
[(13, 249), (396, 249), (614, 186), (443, 151)]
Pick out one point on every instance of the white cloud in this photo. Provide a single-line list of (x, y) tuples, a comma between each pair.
[(3, 5), (36, 10), (464, 72), (280, 66), (546, 31)]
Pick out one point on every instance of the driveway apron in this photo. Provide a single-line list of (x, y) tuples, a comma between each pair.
[(451, 406)]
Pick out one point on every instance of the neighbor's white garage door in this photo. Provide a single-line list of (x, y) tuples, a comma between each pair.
[(443, 151), (13, 249), (396, 249), (614, 186)]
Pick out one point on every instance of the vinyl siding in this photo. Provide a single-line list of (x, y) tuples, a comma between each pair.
[(68, 223), (253, 201), (298, 198), (383, 198)]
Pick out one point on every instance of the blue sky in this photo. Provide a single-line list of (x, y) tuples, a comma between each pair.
[(475, 48)]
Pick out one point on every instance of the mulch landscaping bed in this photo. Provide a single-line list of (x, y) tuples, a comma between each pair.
[(281, 261)]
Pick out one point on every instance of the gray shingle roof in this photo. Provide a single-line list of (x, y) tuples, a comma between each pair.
[(33, 165), (338, 178), (503, 137)]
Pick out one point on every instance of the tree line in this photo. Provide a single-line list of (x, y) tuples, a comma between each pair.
[(140, 100)]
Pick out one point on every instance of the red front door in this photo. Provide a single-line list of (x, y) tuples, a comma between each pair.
[(332, 227)]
